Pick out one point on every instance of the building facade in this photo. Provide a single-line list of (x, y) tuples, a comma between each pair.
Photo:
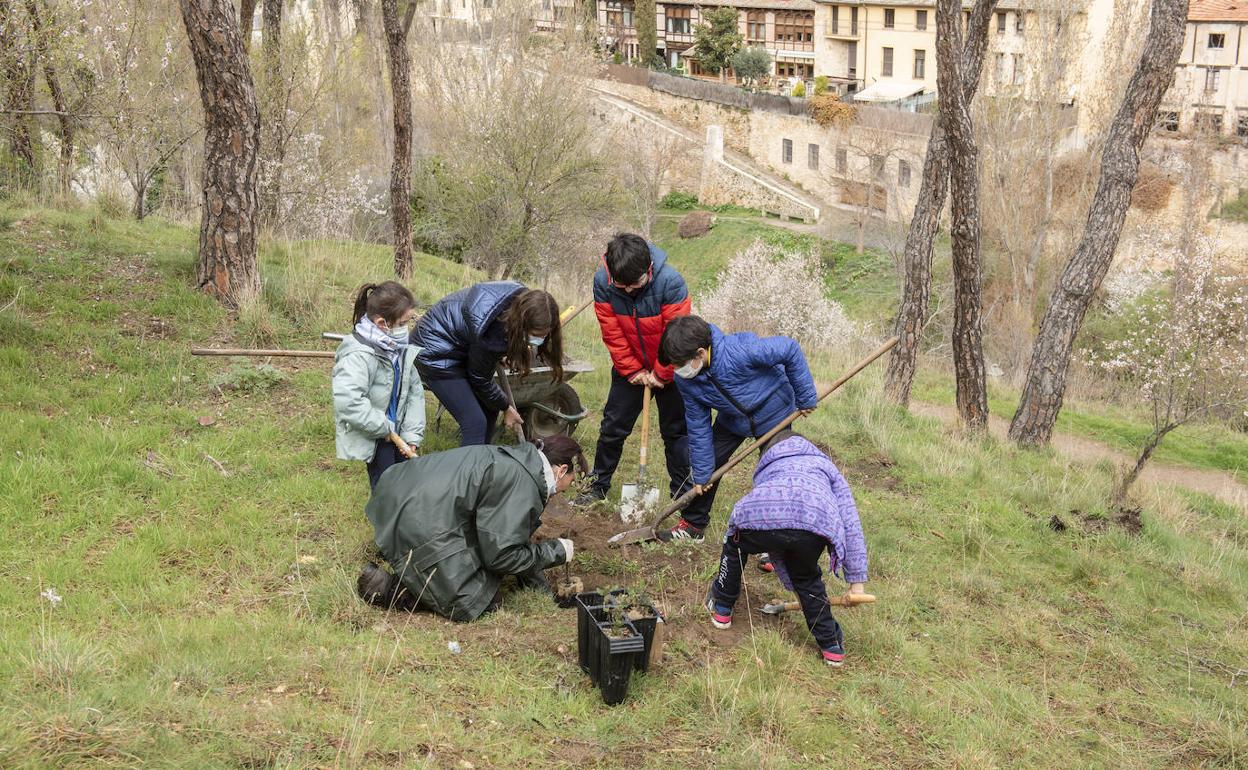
[(1210, 91)]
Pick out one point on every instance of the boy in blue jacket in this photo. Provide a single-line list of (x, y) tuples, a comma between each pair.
[(751, 382)]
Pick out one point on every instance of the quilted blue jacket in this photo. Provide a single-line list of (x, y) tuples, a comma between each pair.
[(752, 382)]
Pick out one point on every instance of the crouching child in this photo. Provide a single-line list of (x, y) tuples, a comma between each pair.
[(800, 506)]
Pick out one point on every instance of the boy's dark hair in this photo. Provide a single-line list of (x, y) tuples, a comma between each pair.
[(563, 450), (388, 299), (682, 338), (627, 258)]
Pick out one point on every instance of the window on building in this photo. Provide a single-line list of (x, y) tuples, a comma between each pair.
[(545, 5), (999, 67), (903, 173), (1018, 69), (1217, 40), (887, 65), (1208, 122), (1020, 22), (890, 18), (1213, 78), (756, 27), (619, 14), (842, 161), (812, 156), (853, 21), (795, 30), (795, 68), (920, 64), (1168, 120), (678, 20), (920, 20), (1241, 127), (851, 52), (836, 20), (1000, 23), (786, 150), (877, 166)]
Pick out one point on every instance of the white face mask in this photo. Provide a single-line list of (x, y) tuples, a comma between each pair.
[(399, 333), (536, 341), (689, 370)]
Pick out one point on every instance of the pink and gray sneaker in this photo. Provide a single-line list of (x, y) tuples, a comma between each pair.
[(721, 617), (834, 656)]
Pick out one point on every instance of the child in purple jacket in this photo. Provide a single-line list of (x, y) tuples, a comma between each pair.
[(800, 506)]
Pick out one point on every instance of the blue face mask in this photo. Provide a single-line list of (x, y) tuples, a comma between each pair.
[(536, 341)]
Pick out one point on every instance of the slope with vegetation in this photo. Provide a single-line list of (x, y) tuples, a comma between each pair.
[(181, 547)]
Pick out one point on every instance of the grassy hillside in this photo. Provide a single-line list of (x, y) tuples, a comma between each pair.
[(204, 542)]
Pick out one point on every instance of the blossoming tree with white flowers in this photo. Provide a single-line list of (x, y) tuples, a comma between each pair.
[(1185, 352)]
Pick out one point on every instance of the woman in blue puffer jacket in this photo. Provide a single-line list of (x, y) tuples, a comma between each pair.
[(465, 335)]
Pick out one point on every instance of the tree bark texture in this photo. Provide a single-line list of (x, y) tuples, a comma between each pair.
[(247, 20), (1045, 385), (1150, 446), (17, 59), (401, 168), (955, 113), (39, 30), (273, 128), (916, 293), (227, 231)]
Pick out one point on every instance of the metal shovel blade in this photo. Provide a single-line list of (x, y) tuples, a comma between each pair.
[(636, 503), (640, 535)]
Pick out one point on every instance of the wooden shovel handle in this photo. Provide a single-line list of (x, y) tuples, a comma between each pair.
[(645, 433), (684, 500)]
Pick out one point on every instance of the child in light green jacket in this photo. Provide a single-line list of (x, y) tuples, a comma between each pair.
[(379, 401)]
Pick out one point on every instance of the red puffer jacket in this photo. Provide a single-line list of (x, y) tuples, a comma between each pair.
[(632, 326)]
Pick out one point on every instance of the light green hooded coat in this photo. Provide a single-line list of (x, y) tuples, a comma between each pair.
[(362, 381)]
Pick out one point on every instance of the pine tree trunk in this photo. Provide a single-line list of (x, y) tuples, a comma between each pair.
[(17, 60), (401, 169), (955, 114), (916, 293), (273, 129), (247, 20), (65, 166), (1045, 385), (227, 232)]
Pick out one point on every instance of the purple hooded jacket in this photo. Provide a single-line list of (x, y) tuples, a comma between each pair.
[(796, 486)]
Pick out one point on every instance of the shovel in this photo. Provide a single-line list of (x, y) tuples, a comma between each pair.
[(636, 500), (844, 600), (643, 534)]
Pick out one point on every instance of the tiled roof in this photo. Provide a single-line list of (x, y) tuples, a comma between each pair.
[(778, 5), (1218, 10)]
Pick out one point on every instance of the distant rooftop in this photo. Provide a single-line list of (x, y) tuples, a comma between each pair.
[(777, 5), (1218, 10)]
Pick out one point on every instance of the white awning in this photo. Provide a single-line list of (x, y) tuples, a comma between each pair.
[(888, 91)]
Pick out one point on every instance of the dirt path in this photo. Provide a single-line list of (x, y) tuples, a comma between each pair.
[(1218, 484)]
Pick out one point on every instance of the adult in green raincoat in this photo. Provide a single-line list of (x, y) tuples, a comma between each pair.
[(453, 524)]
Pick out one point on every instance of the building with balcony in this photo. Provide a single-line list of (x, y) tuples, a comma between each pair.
[(1210, 91)]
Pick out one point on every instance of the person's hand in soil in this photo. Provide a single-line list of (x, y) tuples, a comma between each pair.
[(512, 418)]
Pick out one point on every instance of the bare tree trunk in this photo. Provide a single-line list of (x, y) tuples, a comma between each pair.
[(140, 199), (227, 231), (40, 33), (401, 169), (246, 20), (1150, 446), (18, 62), (1120, 164), (916, 294), (273, 129), (968, 347)]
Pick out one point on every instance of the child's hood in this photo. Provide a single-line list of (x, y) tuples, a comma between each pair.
[(794, 448)]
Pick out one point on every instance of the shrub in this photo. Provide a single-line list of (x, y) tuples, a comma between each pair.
[(1152, 189), (752, 64), (250, 379), (1236, 209), (772, 291), (799, 89), (828, 110), (681, 201), (110, 203), (821, 85), (694, 224)]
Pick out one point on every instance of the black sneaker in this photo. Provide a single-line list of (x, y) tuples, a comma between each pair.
[(682, 531), (589, 498)]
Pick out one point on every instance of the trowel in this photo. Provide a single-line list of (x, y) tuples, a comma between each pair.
[(638, 500)]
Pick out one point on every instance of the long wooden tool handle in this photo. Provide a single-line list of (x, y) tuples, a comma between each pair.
[(511, 401), (645, 435), (680, 502), (571, 313), (261, 353)]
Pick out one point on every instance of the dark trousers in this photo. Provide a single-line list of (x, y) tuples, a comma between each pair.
[(387, 454), (800, 551), (724, 443), (619, 415), (476, 420)]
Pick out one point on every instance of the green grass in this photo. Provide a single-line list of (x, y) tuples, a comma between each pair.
[(1206, 445), (208, 620), (1236, 209)]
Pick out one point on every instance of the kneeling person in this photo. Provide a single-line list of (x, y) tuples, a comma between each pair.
[(452, 525), (800, 506)]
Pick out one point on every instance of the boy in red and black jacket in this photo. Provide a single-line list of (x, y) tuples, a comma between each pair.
[(636, 294)]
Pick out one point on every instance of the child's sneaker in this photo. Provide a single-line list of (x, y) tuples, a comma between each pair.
[(721, 617), (834, 655), (764, 563), (682, 531)]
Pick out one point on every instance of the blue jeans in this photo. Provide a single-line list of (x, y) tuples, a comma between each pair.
[(476, 420), (724, 443)]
